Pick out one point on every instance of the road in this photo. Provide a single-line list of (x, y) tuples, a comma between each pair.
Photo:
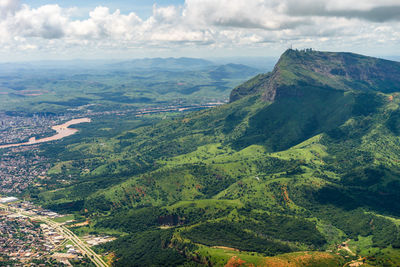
[(86, 250), (64, 231)]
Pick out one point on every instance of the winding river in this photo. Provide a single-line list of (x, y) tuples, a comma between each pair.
[(62, 131)]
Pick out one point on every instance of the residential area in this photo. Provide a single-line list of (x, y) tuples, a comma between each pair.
[(18, 128), (30, 234), (20, 167)]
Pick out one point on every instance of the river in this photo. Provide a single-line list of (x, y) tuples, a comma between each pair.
[(62, 131)]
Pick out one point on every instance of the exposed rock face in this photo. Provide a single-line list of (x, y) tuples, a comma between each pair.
[(298, 70), (258, 84), (271, 86)]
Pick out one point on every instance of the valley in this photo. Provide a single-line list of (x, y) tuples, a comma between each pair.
[(300, 168), (200, 133)]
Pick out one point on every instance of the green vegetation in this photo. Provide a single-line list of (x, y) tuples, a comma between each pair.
[(302, 160), (119, 86), (64, 219), (149, 248)]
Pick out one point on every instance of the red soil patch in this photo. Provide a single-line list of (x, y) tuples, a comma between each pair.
[(32, 92), (285, 195), (80, 224), (299, 260), (235, 262)]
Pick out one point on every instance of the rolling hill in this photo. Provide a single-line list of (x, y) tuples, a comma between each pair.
[(62, 86), (164, 64), (301, 168)]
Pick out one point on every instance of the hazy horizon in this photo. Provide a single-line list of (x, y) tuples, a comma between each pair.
[(63, 30)]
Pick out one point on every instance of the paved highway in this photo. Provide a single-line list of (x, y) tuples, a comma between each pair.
[(86, 250), (68, 234)]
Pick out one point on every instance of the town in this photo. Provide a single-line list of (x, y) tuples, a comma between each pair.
[(16, 128), (29, 234), (20, 167), (32, 235)]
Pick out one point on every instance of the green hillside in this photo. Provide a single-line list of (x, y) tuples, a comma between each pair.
[(300, 169), (298, 70)]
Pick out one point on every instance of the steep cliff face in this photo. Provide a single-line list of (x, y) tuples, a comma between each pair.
[(255, 85), (310, 92), (298, 70)]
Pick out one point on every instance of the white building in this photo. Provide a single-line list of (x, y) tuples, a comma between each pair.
[(7, 199)]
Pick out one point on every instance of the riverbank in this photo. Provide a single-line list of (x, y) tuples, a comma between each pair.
[(62, 130)]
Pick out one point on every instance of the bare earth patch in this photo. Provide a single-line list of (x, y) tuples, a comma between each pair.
[(226, 248), (298, 259), (236, 262)]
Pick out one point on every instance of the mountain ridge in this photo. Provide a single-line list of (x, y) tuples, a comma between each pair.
[(170, 63), (331, 70), (311, 167)]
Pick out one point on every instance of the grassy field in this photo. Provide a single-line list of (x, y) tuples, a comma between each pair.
[(65, 218)]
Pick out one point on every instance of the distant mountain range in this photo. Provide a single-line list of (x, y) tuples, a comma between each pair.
[(65, 85), (177, 64), (164, 63)]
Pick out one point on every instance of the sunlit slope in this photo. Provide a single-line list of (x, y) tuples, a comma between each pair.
[(296, 71), (316, 165)]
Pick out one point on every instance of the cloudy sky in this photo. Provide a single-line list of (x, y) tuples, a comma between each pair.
[(71, 29)]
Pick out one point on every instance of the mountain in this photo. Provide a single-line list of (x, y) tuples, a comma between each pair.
[(232, 71), (301, 168), (330, 71), (61, 86), (182, 63), (265, 64)]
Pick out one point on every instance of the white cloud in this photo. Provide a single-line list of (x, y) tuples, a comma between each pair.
[(103, 24), (203, 23), (369, 10), (167, 14), (240, 14), (47, 22), (8, 7)]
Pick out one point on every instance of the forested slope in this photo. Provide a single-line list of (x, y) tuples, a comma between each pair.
[(302, 159)]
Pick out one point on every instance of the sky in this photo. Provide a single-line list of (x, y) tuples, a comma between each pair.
[(76, 29)]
